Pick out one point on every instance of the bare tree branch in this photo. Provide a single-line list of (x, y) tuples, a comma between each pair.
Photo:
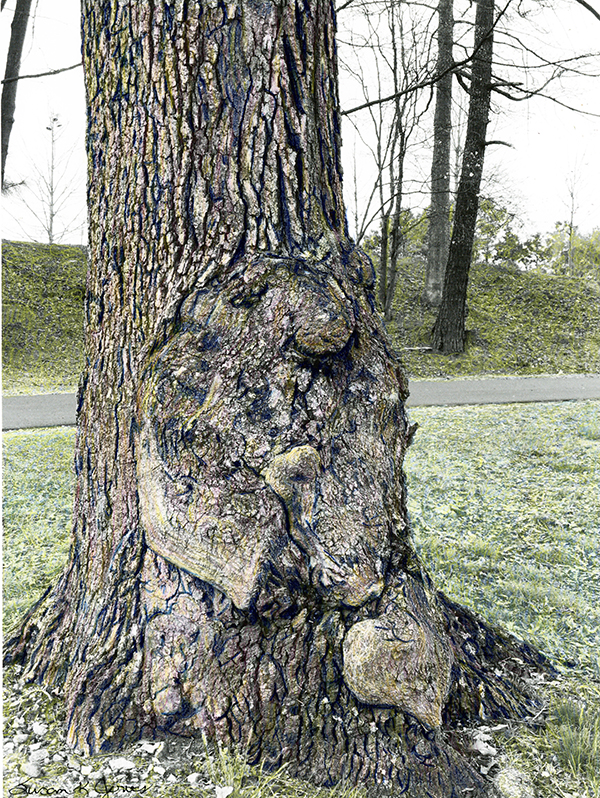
[(42, 74), (581, 3), (433, 80), (552, 99)]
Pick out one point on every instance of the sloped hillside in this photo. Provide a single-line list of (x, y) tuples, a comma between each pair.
[(519, 323), (42, 316)]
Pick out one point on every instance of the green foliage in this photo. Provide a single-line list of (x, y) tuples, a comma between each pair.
[(564, 252), (521, 317), (504, 507), (413, 235), (494, 232), (574, 734), (410, 244), (572, 254), (562, 757), (42, 317), (229, 770)]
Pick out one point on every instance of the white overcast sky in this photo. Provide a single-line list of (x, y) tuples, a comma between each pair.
[(550, 143)]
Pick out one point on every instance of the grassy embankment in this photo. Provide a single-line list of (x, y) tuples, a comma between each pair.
[(518, 323), (504, 507), (42, 317)]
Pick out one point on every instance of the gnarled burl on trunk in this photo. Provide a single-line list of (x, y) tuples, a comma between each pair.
[(242, 563)]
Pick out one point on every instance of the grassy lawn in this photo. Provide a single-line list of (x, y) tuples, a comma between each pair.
[(518, 323), (504, 503)]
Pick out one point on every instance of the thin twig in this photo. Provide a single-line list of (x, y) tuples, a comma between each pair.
[(42, 74)]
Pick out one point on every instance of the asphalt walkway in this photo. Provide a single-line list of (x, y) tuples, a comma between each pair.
[(55, 410)]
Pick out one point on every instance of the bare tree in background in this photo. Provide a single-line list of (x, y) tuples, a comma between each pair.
[(507, 80), (448, 333), (397, 48), (11, 73), (572, 186), (49, 194)]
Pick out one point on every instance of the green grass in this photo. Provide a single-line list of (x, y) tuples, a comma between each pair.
[(504, 504), (42, 317), (38, 484), (518, 323)]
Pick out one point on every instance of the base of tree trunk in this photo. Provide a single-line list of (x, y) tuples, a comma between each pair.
[(446, 337), (273, 685)]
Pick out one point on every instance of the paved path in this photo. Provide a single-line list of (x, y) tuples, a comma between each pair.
[(55, 410)]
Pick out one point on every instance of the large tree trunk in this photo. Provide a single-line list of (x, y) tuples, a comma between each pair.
[(241, 561), (448, 333), (438, 233), (11, 73)]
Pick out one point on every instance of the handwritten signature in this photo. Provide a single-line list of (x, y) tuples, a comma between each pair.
[(101, 787)]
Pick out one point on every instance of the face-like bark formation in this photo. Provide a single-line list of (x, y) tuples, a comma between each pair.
[(295, 468), (286, 483)]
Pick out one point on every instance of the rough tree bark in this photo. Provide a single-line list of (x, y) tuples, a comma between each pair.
[(448, 333), (241, 561), (13, 64), (439, 211)]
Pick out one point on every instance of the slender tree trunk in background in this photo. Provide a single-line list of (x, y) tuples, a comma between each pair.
[(50, 184), (241, 561), (384, 260), (13, 64), (448, 333), (395, 249), (395, 240), (396, 173), (439, 211)]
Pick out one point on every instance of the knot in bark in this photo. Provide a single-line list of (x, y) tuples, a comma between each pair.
[(322, 317), (302, 299), (400, 658), (346, 555)]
